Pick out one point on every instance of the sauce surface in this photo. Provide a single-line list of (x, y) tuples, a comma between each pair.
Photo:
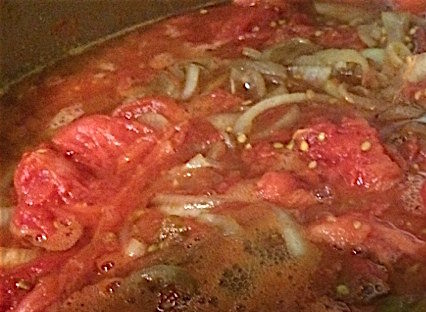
[(262, 156)]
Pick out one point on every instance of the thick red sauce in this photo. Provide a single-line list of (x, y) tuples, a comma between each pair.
[(99, 200)]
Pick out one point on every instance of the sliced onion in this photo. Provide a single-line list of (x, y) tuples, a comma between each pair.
[(397, 53), (10, 257), (396, 25), (263, 67), (339, 90), (333, 57), (258, 83), (199, 161), (400, 112), (375, 54), (281, 89), (316, 75), (345, 13), (227, 224), (223, 121), (135, 248), (290, 232), (166, 84), (251, 79), (285, 52), (228, 140), (5, 216), (421, 119), (191, 82), (154, 120), (416, 68), (286, 121), (66, 115), (185, 205), (369, 34), (244, 122), (252, 53)]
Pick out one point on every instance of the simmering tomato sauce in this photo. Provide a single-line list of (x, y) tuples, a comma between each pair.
[(256, 156)]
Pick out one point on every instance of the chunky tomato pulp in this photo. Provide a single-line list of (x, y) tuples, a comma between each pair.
[(265, 156)]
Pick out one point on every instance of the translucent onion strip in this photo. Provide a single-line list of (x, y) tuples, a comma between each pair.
[(185, 205), (66, 116), (252, 53), (263, 67), (197, 206), (316, 75), (341, 12), (223, 121), (285, 52), (396, 25), (191, 82), (290, 231), (10, 257), (377, 55), (244, 122), (333, 57), (199, 161), (416, 69), (286, 121), (397, 53), (227, 224)]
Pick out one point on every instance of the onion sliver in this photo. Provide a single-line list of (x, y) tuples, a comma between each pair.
[(199, 161), (191, 82), (396, 25), (375, 54), (397, 53), (185, 205), (290, 231), (244, 122), (368, 34), (286, 121), (10, 257), (332, 57), (222, 121), (285, 52), (252, 53), (316, 75), (227, 224), (345, 13), (66, 116), (263, 67), (416, 69)]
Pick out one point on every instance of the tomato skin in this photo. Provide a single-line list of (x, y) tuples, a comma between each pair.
[(45, 177), (283, 188), (341, 156), (10, 294), (217, 101), (97, 141), (45, 182), (154, 104), (356, 230)]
